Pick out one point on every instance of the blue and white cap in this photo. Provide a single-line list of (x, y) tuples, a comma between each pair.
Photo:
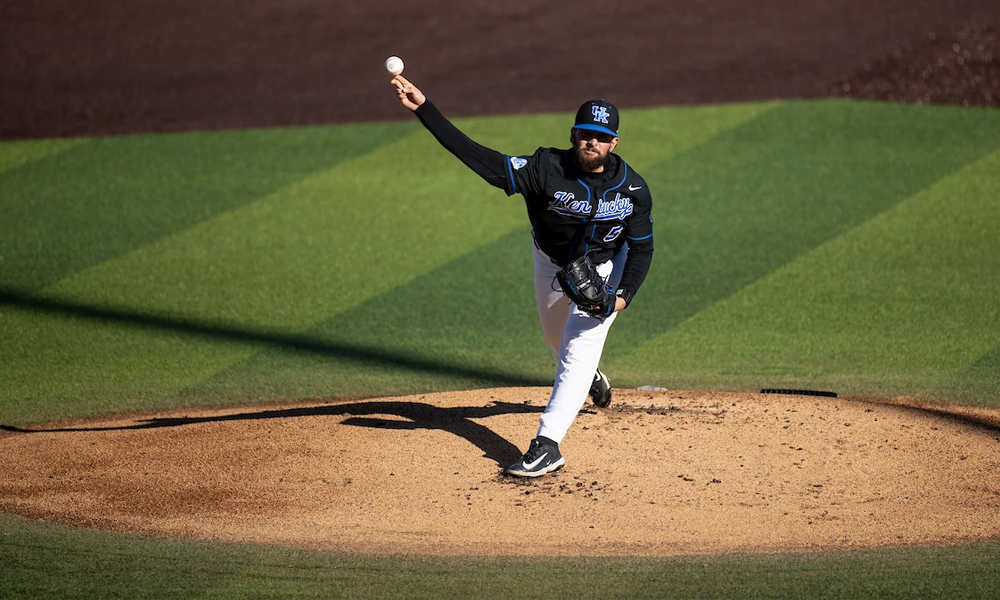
[(598, 115)]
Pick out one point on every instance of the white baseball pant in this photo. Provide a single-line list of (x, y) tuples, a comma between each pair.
[(575, 338)]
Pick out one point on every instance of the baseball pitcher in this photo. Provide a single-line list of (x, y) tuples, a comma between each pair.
[(593, 245)]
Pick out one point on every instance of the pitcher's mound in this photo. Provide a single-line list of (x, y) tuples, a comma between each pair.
[(659, 473)]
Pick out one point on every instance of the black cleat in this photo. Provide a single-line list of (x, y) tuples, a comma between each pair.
[(542, 457), (600, 390)]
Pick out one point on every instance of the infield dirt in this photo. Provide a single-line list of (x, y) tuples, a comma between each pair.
[(659, 473)]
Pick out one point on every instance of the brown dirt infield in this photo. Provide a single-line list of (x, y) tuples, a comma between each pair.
[(660, 473)]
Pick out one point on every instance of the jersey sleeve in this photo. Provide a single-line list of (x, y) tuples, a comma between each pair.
[(525, 174), (639, 235), (485, 162)]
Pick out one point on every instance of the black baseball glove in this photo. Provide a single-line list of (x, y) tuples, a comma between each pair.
[(582, 284)]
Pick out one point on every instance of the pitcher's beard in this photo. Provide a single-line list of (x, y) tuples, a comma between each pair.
[(590, 164)]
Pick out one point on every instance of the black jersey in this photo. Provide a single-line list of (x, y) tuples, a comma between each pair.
[(572, 213), (575, 213)]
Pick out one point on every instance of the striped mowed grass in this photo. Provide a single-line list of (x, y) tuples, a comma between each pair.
[(830, 244)]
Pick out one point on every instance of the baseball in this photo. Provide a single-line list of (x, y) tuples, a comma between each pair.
[(394, 65)]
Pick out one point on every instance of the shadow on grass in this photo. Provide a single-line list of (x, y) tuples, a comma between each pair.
[(375, 356), (418, 415)]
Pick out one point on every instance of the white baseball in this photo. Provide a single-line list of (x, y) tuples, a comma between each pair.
[(394, 65)]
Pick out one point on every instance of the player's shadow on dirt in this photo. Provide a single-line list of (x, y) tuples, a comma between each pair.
[(415, 415)]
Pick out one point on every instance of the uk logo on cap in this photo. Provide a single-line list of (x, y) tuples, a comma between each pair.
[(597, 115)]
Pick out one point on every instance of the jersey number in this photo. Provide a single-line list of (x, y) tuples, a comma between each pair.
[(615, 232)]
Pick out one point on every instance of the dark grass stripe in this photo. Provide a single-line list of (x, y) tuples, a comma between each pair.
[(989, 361), (981, 381), (107, 196)]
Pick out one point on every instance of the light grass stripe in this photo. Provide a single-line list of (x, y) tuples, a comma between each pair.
[(18, 153)]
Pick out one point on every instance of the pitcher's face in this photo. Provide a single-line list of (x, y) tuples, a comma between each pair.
[(592, 148)]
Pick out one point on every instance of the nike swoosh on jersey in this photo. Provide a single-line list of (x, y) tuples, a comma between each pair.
[(633, 188), (534, 464)]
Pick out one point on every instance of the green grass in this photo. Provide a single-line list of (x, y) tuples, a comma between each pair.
[(365, 260), (70, 205), (18, 154), (832, 244), (50, 561), (906, 302)]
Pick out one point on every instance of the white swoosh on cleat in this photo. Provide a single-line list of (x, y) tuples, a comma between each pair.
[(534, 464)]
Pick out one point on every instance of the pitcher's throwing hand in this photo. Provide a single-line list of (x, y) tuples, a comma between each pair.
[(409, 95)]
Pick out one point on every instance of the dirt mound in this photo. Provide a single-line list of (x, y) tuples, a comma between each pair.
[(659, 473)]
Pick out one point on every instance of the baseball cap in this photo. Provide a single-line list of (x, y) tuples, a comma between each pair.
[(597, 115)]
